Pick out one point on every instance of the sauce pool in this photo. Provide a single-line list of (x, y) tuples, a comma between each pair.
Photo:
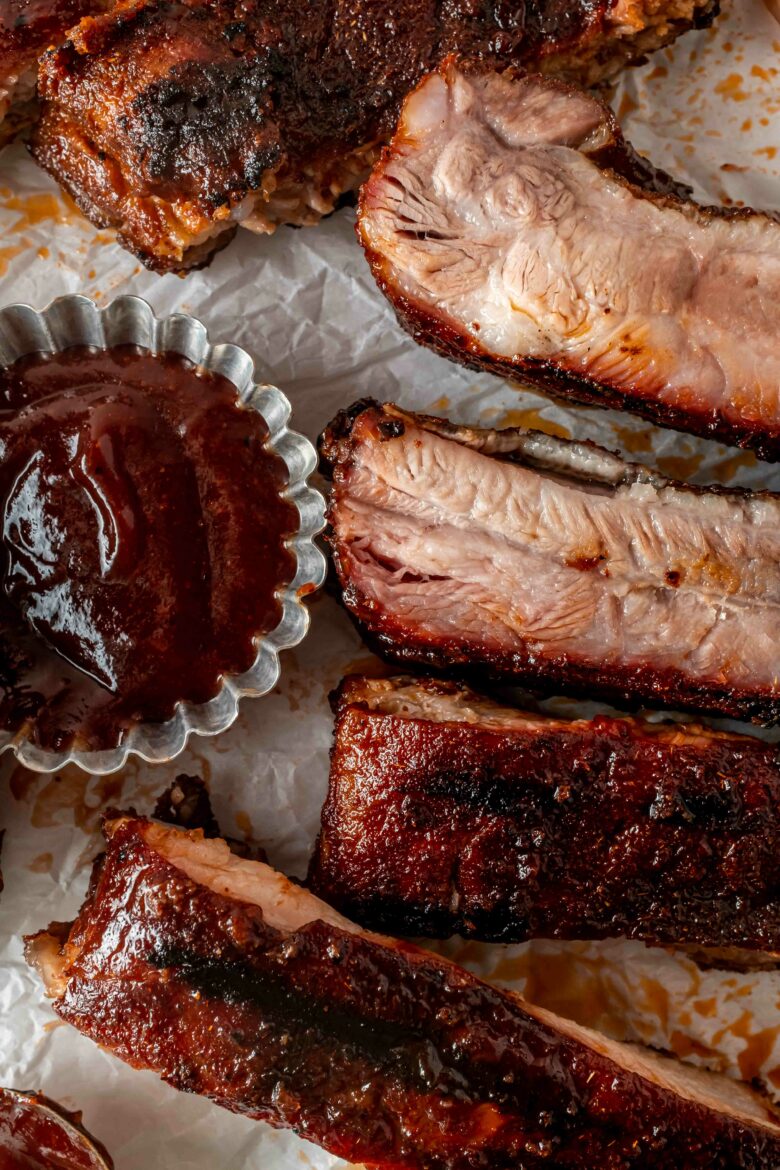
[(143, 541)]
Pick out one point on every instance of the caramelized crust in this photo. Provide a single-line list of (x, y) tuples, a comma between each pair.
[(175, 120), (228, 981), (448, 814), (33, 1127)]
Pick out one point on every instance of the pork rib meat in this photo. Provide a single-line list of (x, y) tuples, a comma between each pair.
[(227, 980), (514, 230), (449, 814), (525, 558), (27, 29), (175, 123)]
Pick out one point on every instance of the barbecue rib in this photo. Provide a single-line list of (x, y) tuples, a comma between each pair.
[(448, 814), (229, 981), (174, 122), (518, 556), (514, 230)]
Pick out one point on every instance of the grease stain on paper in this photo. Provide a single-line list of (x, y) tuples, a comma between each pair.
[(42, 863), (533, 420), (41, 207)]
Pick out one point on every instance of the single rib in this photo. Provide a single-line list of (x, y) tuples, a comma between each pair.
[(514, 229), (449, 814), (521, 557), (227, 980)]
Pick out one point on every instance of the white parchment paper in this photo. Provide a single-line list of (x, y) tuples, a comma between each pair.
[(303, 303)]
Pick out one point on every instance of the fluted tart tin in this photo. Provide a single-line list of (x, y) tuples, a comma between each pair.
[(31, 1125), (76, 321)]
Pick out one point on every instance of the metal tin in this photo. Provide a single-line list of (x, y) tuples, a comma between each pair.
[(76, 320), (60, 1133)]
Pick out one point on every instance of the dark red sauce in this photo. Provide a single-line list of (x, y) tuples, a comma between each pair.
[(35, 1134), (27, 27), (143, 540)]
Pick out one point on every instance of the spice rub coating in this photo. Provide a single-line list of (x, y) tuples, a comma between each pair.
[(174, 122), (449, 814), (227, 980)]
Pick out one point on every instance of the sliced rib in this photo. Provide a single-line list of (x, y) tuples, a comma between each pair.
[(522, 557), (449, 814), (226, 980), (176, 123), (514, 229)]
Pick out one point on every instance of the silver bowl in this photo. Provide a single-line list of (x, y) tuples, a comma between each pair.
[(76, 320)]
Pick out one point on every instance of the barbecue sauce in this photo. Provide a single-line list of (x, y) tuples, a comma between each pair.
[(35, 1134), (143, 541)]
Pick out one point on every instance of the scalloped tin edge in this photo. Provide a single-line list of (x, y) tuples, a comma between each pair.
[(77, 320), (68, 1123)]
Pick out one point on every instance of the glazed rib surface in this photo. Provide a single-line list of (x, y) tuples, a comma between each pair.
[(522, 557), (174, 122), (449, 814), (27, 28), (228, 981), (514, 229)]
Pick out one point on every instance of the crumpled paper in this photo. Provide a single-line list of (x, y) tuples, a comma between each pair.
[(303, 303)]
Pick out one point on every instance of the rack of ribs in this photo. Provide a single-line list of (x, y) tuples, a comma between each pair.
[(175, 122), (227, 980), (519, 557), (450, 814), (515, 230)]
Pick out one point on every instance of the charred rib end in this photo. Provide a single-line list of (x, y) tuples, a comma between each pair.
[(339, 431)]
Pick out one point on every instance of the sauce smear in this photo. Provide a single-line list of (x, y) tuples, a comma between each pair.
[(143, 540)]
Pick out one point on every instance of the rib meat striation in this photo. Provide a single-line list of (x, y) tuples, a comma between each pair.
[(514, 229), (521, 557)]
